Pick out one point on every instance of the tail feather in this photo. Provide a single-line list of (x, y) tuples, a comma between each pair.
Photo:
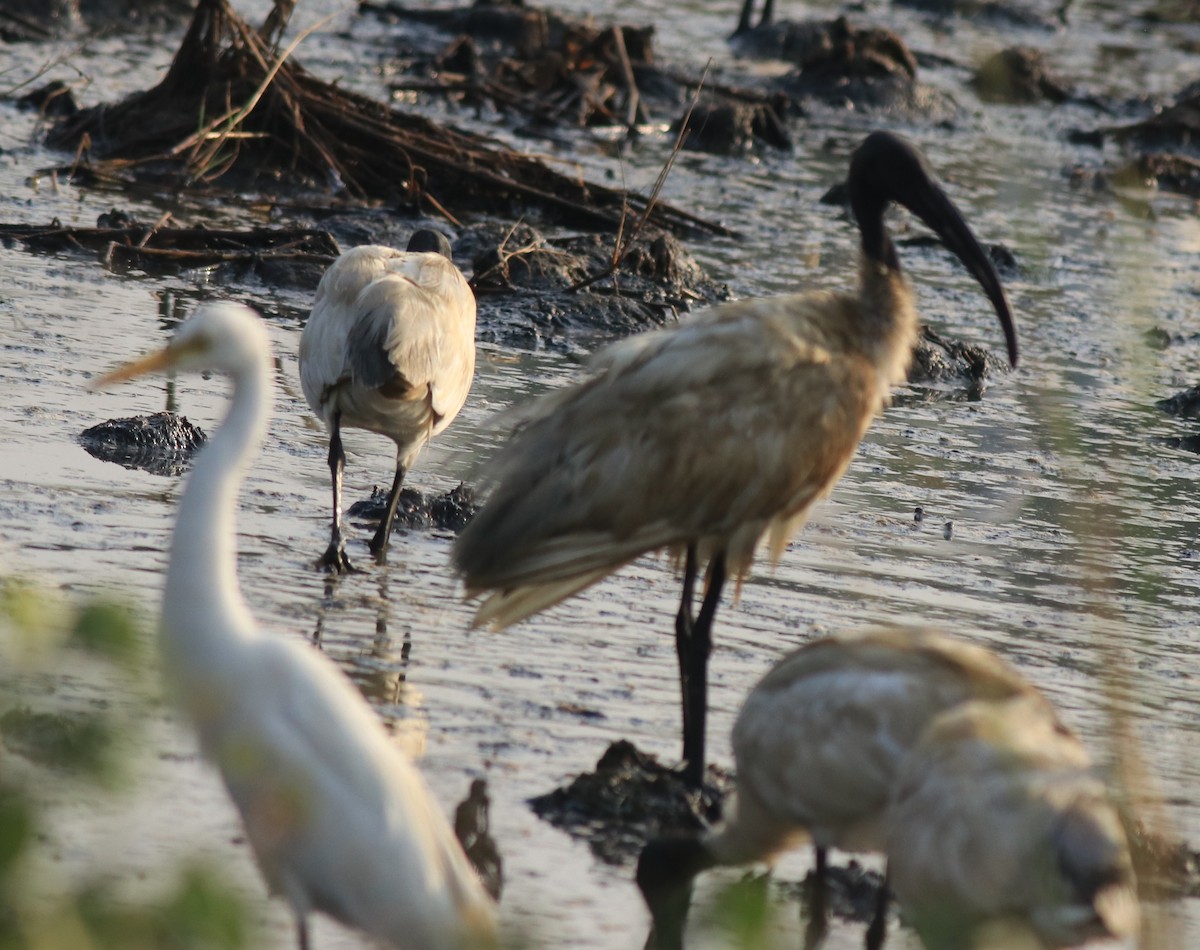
[(505, 607)]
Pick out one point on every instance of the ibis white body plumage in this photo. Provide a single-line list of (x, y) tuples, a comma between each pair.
[(1002, 835), (389, 347)]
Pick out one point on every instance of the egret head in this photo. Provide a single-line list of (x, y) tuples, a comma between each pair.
[(227, 337)]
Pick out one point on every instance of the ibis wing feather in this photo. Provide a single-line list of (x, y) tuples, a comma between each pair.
[(709, 432), (860, 702)]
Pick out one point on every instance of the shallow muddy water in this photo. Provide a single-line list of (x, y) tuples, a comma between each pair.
[(1074, 549)]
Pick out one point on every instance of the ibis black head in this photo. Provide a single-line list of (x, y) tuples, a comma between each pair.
[(429, 241), (665, 871), (886, 168)]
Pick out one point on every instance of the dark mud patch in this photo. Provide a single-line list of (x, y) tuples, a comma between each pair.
[(534, 291), (853, 891), (629, 799), (161, 444), (419, 511), (1184, 405)]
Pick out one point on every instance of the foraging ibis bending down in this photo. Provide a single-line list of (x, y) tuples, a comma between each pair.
[(389, 347), (1000, 835), (817, 747), (339, 818), (703, 438)]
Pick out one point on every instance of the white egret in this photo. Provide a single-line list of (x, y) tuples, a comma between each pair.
[(339, 818), (817, 746), (703, 438), (390, 347), (1001, 835)]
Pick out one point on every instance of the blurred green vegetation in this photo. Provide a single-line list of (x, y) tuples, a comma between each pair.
[(86, 747)]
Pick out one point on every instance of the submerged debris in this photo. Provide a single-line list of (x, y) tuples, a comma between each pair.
[(416, 510), (161, 444), (272, 122), (293, 256), (629, 799)]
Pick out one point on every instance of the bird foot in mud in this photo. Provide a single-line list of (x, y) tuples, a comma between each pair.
[(335, 561), (379, 546)]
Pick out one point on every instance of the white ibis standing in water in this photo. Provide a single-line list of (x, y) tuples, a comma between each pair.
[(817, 746), (389, 347), (704, 438), (1001, 835), (339, 818)]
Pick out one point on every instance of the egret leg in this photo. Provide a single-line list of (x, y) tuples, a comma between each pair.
[(696, 686), (768, 14), (878, 929), (334, 558), (814, 933), (380, 542), (302, 932)]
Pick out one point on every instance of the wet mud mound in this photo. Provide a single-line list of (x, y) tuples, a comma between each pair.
[(844, 65), (560, 72), (629, 799), (1019, 76), (162, 444), (418, 511), (1165, 149), (294, 257), (956, 370), (536, 292), (275, 125)]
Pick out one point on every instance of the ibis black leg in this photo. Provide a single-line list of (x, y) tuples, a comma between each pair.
[(768, 14), (384, 531), (878, 929), (744, 20), (696, 682), (334, 558), (814, 933), (302, 932), (684, 622)]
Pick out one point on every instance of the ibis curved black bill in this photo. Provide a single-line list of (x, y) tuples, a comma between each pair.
[(886, 168)]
